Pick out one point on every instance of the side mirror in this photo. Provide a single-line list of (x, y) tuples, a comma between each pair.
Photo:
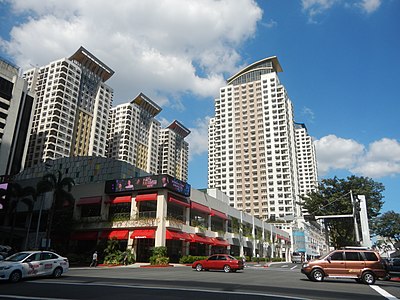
[(328, 259)]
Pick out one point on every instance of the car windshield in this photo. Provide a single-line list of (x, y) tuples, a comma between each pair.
[(231, 257), (17, 256)]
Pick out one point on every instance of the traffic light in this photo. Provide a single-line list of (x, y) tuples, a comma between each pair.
[(309, 217), (356, 204)]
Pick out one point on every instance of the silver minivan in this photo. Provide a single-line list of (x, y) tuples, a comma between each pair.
[(297, 257)]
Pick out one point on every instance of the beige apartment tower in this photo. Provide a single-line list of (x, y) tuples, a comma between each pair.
[(253, 156), (71, 110), (174, 151), (134, 132)]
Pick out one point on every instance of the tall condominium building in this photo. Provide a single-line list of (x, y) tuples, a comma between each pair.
[(306, 161), (174, 151), (252, 149), (15, 113), (72, 107), (134, 132)]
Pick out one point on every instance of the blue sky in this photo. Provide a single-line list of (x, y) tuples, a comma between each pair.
[(340, 61)]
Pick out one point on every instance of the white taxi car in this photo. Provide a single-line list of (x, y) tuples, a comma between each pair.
[(32, 264)]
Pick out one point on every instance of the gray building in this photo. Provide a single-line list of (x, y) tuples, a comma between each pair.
[(15, 113)]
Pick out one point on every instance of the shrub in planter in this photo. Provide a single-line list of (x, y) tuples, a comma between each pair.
[(159, 256), (189, 259)]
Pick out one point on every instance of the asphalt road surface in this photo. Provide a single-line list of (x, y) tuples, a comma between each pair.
[(280, 281)]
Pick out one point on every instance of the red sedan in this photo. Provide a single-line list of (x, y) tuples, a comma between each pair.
[(219, 262)]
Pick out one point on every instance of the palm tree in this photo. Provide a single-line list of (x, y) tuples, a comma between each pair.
[(61, 197), (13, 194), (29, 198), (16, 194)]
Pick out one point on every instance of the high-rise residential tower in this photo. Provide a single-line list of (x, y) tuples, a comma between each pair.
[(174, 151), (71, 110), (252, 149), (15, 112), (134, 133), (306, 161)]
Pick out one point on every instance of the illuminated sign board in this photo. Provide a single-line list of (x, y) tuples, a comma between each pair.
[(146, 183), (3, 191)]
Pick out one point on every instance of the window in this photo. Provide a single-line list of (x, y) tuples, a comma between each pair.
[(353, 256), (337, 256), (370, 256), (91, 210)]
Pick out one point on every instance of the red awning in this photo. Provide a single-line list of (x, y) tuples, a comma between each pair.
[(219, 214), (220, 243), (121, 199), (176, 235), (115, 234), (201, 239), (84, 235), (146, 197), (143, 234), (200, 207), (281, 237), (89, 200), (179, 202)]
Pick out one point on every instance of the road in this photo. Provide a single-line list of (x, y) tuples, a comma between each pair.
[(279, 281)]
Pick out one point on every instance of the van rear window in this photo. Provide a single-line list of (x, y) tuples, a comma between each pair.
[(370, 256), (353, 256)]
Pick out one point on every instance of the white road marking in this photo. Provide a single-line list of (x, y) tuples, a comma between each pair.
[(29, 297), (383, 292), (292, 268), (170, 288)]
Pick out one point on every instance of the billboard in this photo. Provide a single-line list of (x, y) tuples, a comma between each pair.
[(147, 183), (3, 191)]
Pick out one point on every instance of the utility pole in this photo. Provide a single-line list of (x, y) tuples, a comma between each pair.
[(355, 217)]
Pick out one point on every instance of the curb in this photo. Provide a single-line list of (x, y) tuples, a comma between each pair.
[(156, 266)]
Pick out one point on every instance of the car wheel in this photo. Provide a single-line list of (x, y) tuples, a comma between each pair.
[(368, 278), (199, 268), (15, 276), (317, 275), (57, 272), (227, 268)]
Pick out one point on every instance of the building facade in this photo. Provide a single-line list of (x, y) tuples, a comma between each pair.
[(159, 210), (71, 110), (174, 151), (15, 113), (142, 211), (134, 132), (252, 149)]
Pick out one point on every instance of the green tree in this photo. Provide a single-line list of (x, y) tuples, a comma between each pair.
[(387, 226), (333, 198), (61, 198)]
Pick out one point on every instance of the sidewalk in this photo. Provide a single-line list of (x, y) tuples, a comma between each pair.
[(135, 265)]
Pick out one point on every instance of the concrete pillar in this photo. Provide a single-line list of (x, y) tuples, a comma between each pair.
[(161, 218)]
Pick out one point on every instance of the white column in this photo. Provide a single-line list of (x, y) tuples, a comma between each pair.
[(160, 217), (366, 238)]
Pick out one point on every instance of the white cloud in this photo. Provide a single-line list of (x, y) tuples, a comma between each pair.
[(379, 159), (382, 159), (313, 8), (316, 7), (198, 138), (308, 114), (270, 24), (160, 48), (369, 6), (336, 153)]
